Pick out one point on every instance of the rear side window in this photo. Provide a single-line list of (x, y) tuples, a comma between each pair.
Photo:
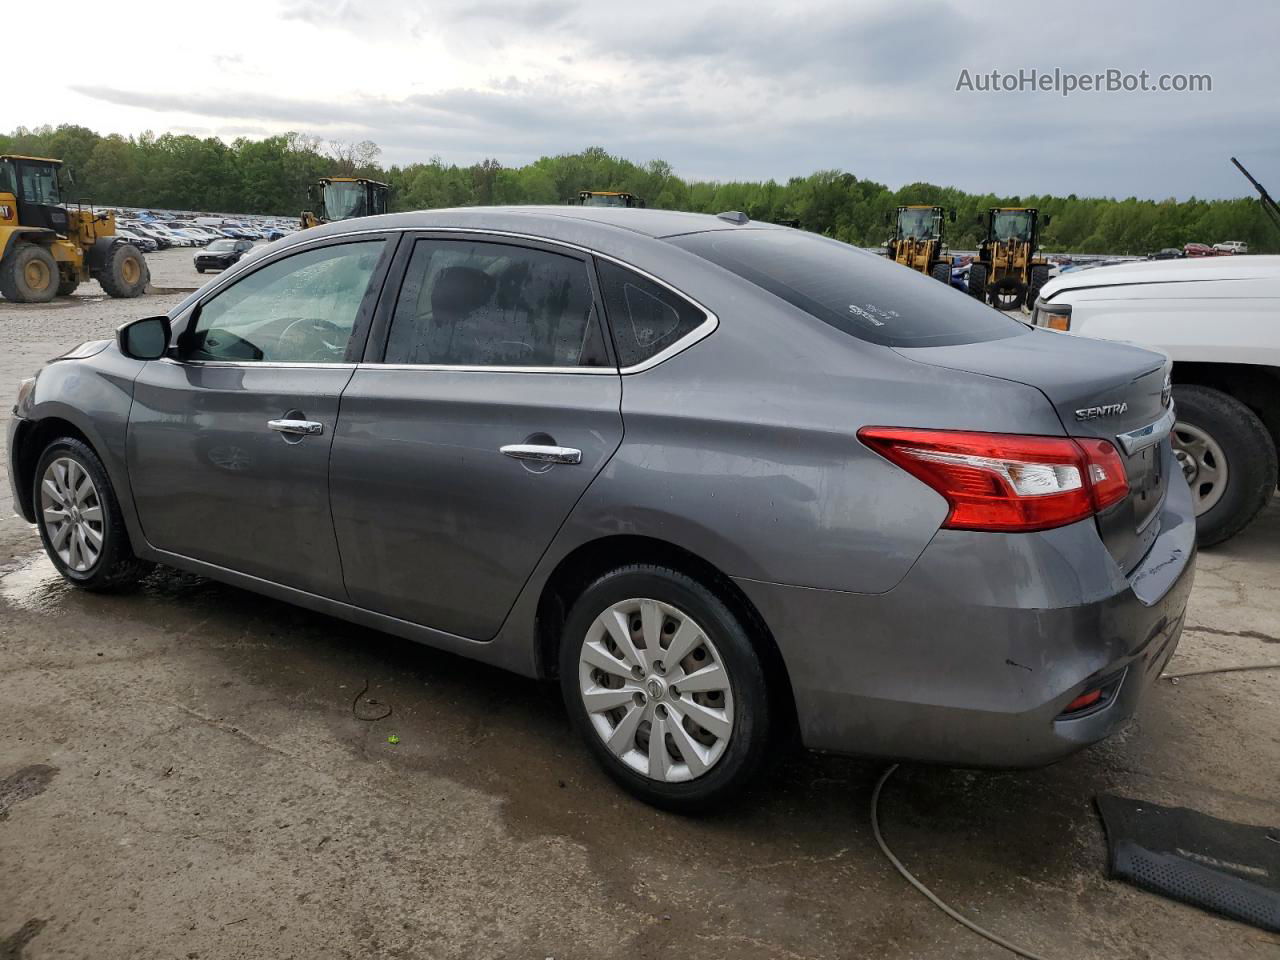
[(472, 303), (863, 295), (645, 318)]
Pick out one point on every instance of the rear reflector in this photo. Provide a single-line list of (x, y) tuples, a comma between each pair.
[(1083, 701), (1007, 482)]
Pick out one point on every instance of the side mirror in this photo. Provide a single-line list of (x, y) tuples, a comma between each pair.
[(145, 339), (952, 217), (1048, 219), (978, 219)]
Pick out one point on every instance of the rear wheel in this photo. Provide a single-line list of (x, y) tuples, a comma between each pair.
[(1039, 277), (978, 281), (1228, 458), (124, 272), (942, 271), (665, 685), (80, 521), (29, 274)]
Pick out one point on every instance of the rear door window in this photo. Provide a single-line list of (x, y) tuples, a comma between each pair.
[(859, 293)]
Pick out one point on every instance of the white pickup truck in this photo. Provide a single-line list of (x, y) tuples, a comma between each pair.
[(1218, 319)]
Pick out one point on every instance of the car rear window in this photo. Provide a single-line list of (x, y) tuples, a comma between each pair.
[(859, 293)]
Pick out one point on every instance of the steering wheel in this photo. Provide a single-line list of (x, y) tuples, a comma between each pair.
[(313, 339)]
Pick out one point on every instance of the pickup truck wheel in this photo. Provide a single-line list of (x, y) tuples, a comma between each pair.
[(1228, 458)]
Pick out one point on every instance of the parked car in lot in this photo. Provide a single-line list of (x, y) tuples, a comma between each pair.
[(1232, 246), (1199, 250), (1216, 319), (721, 478), (221, 254), (145, 244), (163, 241)]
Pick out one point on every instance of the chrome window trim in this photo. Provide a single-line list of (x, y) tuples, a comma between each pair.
[(700, 332), (1148, 436), (263, 364)]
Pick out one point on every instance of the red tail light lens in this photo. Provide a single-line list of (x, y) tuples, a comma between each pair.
[(1005, 482)]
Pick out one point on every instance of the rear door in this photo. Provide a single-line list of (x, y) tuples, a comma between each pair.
[(229, 438), (487, 402)]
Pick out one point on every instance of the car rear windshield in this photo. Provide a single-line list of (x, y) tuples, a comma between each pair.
[(862, 294)]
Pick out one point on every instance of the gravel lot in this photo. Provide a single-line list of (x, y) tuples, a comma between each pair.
[(181, 775)]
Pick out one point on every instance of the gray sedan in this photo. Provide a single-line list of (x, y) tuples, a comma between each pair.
[(724, 480)]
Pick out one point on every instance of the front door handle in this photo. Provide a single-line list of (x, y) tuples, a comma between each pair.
[(300, 428), (541, 453)]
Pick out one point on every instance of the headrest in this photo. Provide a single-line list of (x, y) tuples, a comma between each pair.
[(460, 290)]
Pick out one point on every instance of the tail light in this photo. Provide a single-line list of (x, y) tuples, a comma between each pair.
[(1005, 482)]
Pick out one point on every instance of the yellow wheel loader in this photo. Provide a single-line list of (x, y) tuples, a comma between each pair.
[(48, 249), (607, 198), (1007, 273), (344, 198), (917, 242)]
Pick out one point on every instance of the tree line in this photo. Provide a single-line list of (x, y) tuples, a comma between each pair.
[(271, 176)]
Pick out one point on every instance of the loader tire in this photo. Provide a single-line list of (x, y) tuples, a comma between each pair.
[(29, 274), (124, 273), (942, 271), (1039, 277), (978, 281)]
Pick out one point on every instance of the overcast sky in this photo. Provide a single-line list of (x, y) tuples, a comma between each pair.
[(733, 91)]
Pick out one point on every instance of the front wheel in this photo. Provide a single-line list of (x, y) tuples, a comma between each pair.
[(79, 519), (978, 281), (1228, 458), (124, 272), (942, 271), (664, 683)]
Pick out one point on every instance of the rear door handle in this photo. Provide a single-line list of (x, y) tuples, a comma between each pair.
[(300, 428), (540, 453)]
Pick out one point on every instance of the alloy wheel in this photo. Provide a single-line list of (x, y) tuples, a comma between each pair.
[(1203, 464), (656, 690), (72, 512)]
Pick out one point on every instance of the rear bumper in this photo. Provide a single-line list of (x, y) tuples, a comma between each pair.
[(973, 657)]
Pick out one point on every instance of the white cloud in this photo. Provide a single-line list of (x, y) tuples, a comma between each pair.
[(728, 91)]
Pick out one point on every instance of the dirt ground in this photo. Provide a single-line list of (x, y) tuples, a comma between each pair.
[(182, 776)]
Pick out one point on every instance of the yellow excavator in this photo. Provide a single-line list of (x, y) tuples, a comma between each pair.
[(917, 242), (48, 249), (343, 198), (1006, 272), (607, 198)]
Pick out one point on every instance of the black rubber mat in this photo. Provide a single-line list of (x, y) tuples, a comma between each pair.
[(1228, 868)]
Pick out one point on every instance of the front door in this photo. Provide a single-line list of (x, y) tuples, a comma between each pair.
[(229, 438), (459, 454)]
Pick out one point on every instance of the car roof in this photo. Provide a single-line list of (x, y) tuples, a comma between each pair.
[(1167, 271), (563, 222)]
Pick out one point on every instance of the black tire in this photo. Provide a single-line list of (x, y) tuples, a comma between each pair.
[(942, 271), (124, 273), (116, 567), (1247, 447), (1039, 277), (749, 739), (29, 274), (978, 281), (199, 269), (67, 285), (1006, 293)]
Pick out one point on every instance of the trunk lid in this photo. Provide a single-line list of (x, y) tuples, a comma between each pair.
[(1098, 389)]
